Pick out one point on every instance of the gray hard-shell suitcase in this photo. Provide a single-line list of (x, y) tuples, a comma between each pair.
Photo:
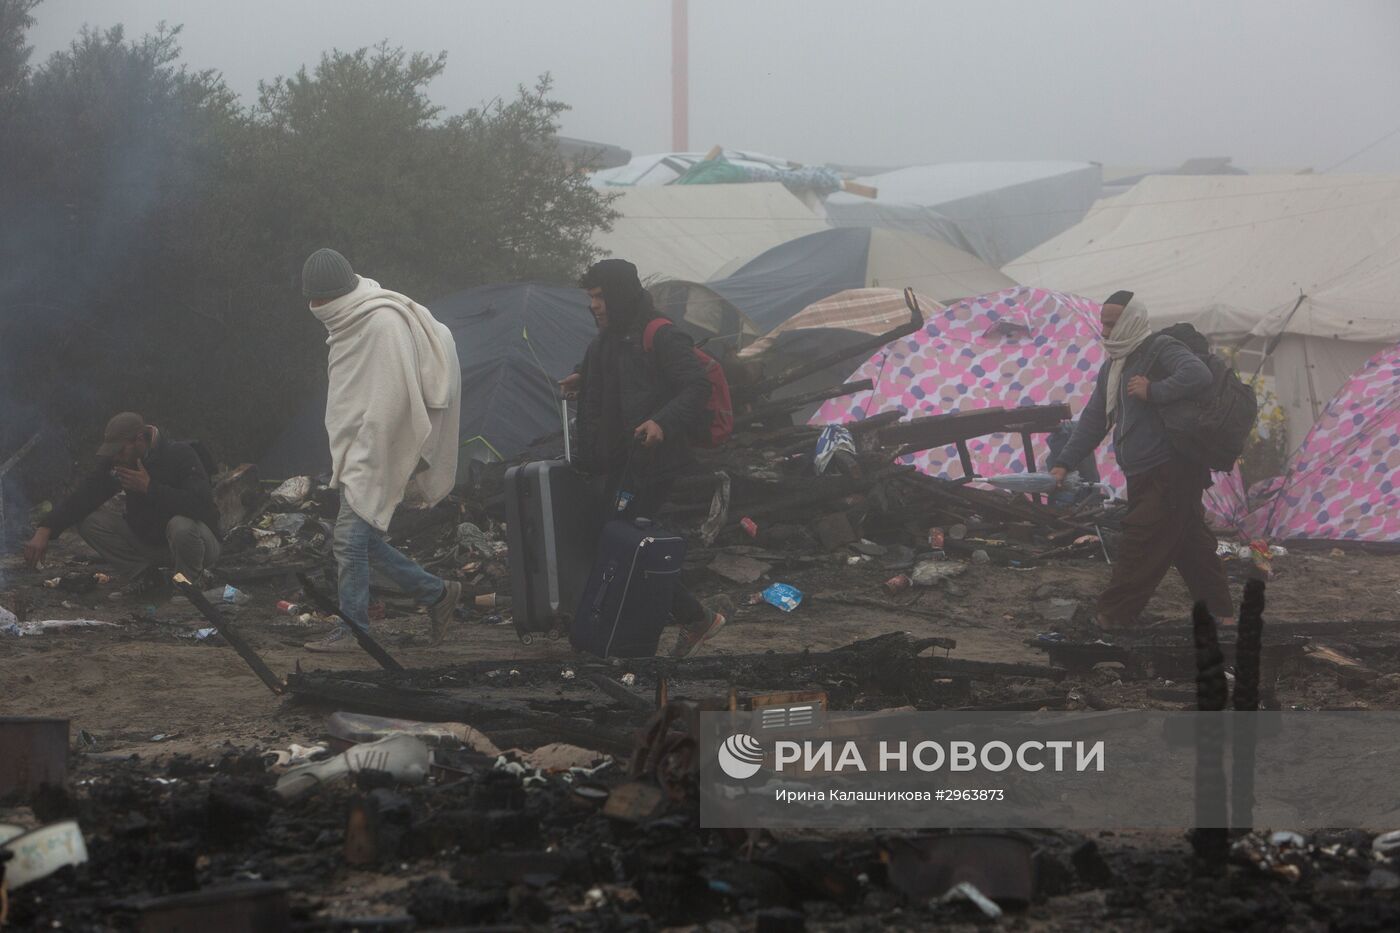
[(553, 521)]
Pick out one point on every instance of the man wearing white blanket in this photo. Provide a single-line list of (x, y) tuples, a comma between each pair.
[(392, 415)]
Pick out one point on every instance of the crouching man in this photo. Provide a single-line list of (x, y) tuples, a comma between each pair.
[(170, 519)]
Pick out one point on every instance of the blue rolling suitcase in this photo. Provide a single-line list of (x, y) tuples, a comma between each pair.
[(627, 599)]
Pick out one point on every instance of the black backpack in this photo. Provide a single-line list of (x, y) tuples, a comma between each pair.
[(1213, 427)]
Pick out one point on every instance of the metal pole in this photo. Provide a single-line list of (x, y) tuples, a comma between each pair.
[(680, 76), (564, 420)]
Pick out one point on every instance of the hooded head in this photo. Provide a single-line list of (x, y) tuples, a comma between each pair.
[(616, 297)]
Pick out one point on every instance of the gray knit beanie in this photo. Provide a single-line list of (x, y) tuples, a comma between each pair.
[(327, 275)]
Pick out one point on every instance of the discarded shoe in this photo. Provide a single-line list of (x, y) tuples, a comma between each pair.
[(403, 756), (444, 611), (338, 639)]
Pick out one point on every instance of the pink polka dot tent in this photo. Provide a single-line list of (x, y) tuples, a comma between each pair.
[(1013, 348), (1343, 483)]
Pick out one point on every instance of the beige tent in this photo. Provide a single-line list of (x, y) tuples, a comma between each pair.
[(1234, 254), (700, 232)]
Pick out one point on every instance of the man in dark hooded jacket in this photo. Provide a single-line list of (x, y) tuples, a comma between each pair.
[(636, 408)]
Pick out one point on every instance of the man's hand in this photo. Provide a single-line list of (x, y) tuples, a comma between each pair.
[(37, 546), (570, 385), (137, 480), (1138, 387), (1059, 473), (649, 433)]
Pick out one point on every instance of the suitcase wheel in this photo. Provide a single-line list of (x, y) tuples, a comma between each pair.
[(527, 639)]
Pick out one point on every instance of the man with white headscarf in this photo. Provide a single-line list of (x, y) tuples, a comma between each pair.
[(1165, 524)]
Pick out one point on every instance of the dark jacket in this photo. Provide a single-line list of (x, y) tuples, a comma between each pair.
[(624, 386), (1139, 436), (179, 486)]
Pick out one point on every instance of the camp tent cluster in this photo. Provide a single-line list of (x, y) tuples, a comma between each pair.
[(781, 262)]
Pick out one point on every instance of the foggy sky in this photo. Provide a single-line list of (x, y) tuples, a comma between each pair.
[(1284, 84)]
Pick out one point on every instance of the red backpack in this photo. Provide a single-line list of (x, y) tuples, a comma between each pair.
[(720, 407)]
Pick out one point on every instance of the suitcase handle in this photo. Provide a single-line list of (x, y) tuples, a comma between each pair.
[(596, 610)]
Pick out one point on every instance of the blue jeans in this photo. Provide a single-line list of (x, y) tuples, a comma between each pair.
[(356, 543)]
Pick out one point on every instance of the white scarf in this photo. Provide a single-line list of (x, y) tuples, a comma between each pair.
[(1132, 329), (395, 398)]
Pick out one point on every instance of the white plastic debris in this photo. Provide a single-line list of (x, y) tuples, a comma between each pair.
[(1386, 843), (293, 492), (567, 674), (12, 627), (629, 679), (1287, 839), (41, 852), (966, 890)]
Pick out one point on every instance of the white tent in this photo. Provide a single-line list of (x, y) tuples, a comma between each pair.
[(1322, 341), (699, 232), (1230, 253), (994, 210)]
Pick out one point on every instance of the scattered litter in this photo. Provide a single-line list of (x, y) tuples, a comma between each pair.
[(750, 526), (898, 584), (1287, 839), (567, 674), (358, 727), (834, 438), (936, 538), (560, 756), (9, 626), (227, 594), (202, 634), (293, 492), (967, 891), (981, 557), (291, 609), (287, 523), (629, 679), (933, 572), (294, 756), (479, 542), (1386, 843), (41, 852), (785, 596)]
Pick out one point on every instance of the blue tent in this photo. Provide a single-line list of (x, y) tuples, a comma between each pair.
[(509, 397), (778, 283)]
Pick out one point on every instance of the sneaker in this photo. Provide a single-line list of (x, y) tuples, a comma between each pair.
[(691, 638), (149, 587), (338, 639), (444, 612)]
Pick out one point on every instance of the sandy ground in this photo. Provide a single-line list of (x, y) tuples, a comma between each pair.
[(122, 685)]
